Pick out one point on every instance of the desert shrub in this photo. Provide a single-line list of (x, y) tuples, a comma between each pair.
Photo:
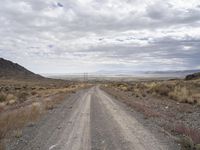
[(181, 94), (18, 88), (11, 102), (141, 86), (10, 97), (42, 88), (33, 88), (22, 96), (123, 88), (130, 88), (196, 98), (192, 133), (187, 143), (150, 85), (137, 95), (73, 86), (161, 89), (33, 93), (143, 95), (2, 97)]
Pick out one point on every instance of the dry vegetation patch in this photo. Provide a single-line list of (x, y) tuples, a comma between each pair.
[(16, 119), (22, 103), (178, 90), (173, 105)]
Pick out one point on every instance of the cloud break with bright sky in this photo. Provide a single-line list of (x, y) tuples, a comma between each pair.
[(68, 36)]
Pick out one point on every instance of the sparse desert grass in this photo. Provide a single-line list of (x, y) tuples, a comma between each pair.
[(17, 119), (15, 92), (145, 110), (50, 103), (154, 98), (23, 102), (11, 122), (139, 107), (178, 90)]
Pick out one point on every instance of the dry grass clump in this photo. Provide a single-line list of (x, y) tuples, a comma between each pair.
[(17, 119), (36, 110), (49, 104), (17, 133)]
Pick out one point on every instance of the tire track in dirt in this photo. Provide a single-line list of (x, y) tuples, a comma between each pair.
[(135, 135), (76, 133)]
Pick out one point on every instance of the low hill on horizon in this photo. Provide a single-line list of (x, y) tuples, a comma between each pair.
[(193, 76)]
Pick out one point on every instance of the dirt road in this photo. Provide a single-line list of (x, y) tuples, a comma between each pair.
[(90, 120)]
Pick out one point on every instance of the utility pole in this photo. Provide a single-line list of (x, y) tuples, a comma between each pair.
[(85, 77)]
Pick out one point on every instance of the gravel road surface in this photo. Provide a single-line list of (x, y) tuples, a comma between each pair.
[(90, 120)]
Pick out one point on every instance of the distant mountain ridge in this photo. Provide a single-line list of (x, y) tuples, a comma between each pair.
[(8, 69), (166, 73), (129, 72)]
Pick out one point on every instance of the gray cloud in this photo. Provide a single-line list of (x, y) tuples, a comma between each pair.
[(92, 35)]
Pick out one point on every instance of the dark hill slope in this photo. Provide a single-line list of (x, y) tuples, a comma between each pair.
[(193, 76), (10, 70)]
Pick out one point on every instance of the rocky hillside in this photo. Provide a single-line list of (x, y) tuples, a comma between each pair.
[(193, 76), (9, 70)]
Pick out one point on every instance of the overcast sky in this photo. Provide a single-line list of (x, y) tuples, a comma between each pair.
[(66, 36)]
